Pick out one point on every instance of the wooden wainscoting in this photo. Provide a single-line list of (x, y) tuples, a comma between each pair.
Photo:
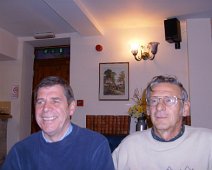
[(109, 124)]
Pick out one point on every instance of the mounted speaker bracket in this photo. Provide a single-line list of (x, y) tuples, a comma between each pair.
[(173, 31)]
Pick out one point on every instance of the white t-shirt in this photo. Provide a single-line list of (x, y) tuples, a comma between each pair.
[(140, 151)]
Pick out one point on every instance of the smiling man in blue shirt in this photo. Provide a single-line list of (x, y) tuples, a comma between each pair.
[(60, 145)]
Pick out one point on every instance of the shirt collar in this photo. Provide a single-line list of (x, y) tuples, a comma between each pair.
[(69, 130), (173, 139)]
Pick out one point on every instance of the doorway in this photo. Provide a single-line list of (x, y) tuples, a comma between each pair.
[(49, 61)]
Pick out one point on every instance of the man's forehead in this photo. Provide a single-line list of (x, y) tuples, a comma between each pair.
[(51, 88), (165, 88)]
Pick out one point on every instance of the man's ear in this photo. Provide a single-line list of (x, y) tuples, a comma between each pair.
[(186, 108), (72, 108)]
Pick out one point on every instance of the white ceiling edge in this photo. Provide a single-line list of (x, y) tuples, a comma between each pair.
[(5, 57), (90, 17), (73, 14), (60, 39)]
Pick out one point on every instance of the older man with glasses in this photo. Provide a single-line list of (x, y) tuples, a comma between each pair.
[(169, 144)]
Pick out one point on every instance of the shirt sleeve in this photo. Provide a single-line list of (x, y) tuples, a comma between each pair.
[(120, 157), (102, 158), (12, 161), (114, 156)]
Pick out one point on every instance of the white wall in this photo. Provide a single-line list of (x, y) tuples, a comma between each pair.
[(84, 74), (200, 69), (10, 73), (18, 72), (27, 53), (8, 45), (116, 48)]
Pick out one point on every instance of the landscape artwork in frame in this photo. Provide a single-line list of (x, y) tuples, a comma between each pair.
[(114, 81)]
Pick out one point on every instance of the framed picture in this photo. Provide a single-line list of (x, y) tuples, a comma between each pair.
[(114, 81)]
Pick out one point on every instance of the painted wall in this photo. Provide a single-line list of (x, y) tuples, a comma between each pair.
[(8, 45), (84, 74), (200, 59), (10, 73), (27, 53), (116, 48), (18, 73)]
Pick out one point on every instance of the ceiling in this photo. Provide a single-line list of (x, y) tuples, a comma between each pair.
[(24, 18)]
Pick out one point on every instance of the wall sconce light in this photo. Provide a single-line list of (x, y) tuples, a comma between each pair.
[(147, 53)]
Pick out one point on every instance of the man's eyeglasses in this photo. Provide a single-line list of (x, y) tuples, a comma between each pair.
[(167, 100)]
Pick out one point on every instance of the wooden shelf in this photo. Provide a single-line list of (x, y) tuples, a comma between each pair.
[(5, 116)]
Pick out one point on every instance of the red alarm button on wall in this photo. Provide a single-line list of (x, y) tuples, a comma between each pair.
[(99, 47), (80, 102)]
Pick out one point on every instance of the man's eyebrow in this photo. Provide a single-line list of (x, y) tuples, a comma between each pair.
[(40, 98), (56, 98)]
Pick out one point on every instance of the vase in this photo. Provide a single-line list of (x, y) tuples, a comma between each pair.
[(141, 124)]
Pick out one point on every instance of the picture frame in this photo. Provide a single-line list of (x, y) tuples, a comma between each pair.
[(114, 81)]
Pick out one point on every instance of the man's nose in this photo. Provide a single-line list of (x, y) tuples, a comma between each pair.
[(46, 106), (161, 105)]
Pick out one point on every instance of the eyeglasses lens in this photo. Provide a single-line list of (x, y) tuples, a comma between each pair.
[(167, 100)]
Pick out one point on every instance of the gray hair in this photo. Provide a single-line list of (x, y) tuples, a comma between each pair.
[(166, 79)]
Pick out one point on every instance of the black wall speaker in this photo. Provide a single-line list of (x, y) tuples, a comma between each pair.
[(172, 30)]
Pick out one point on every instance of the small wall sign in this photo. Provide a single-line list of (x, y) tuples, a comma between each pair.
[(15, 91)]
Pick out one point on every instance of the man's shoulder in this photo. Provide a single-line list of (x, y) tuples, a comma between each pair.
[(32, 137), (28, 142), (87, 133), (137, 136), (199, 131)]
